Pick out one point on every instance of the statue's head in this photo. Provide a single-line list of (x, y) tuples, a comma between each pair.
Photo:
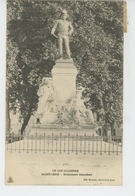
[(80, 88), (64, 14), (47, 81), (43, 80)]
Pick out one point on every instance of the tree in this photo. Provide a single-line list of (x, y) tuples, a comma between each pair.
[(96, 47)]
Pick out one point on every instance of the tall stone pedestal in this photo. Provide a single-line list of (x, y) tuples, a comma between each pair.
[(64, 80), (60, 103)]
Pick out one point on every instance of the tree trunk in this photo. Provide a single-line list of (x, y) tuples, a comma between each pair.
[(8, 120), (98, 116), (26, 120), (105, 108)]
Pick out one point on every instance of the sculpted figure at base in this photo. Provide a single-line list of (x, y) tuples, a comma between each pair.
[(45, 94), (64, 29)]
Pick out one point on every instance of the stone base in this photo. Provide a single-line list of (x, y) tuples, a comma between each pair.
[(60, 105), (64, 79), (39, 129)]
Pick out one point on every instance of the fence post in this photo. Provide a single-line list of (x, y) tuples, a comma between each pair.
[(64, 137), (76, 143), (60, 143), (93, 145), (36, 142), (44, 144), (97, 144), (80, 143), (72, 142), (68, 142), (23, 135), (101, 147), (19, 142), (7, 139), (85, 143), (88, 144), (109, 145), (27, 142), (15, 142), (11, 141), (31, 142), (56, 143), (48, 144), (113, 143), (105, 144), (40, 143), (121, 143), (117, 145), (52, 142)]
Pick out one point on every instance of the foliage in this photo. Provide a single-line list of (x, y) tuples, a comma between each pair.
[(96, 46)]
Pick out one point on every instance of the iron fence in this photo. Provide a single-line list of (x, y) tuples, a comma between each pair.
[(64, 143)]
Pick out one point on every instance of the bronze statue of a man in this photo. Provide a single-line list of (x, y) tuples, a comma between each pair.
[(64, 29)]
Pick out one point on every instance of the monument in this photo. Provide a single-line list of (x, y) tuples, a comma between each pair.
[(60, 102), (64, 29), (64, 72)]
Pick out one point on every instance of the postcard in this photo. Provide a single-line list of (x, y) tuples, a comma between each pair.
[(64, 92)]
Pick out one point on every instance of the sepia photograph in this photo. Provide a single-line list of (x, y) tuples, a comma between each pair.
[(64, 92)]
